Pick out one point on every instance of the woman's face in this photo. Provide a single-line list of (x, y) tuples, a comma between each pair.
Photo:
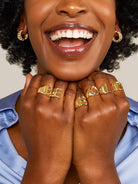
[(70, 37)]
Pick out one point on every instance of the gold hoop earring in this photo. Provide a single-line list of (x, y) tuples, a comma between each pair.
[(22, 37), (117, 37)]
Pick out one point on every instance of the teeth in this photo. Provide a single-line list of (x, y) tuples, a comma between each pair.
[(76, 34), (71, 34), (63, 34)]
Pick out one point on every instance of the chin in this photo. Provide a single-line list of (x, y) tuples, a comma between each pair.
[(71, 77)]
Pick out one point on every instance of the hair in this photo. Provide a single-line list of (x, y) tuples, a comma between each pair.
[(22, 53)]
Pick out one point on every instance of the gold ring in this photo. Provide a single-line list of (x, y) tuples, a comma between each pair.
[(80, 101), (104, 89), (117, 86), (92, 91), (56, 93), (46, 90)]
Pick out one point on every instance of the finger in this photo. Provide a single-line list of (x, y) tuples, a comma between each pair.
[(82, 109), (102, 81), (69, 99), (47, 80), (27, 82), (33, 87), (94, 100), (117, 93), (58, 96)]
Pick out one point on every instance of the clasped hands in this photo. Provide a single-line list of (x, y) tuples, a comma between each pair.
[(58, 134)]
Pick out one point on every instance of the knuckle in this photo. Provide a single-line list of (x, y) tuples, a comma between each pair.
[(71, 93), (61, 120), (60, 83), (56, 115), (111, 77), (49, 77), (84, 121), (112, 108), (125, 105), (22, 94), (26, 104), (39, 109), (107, 109), (67, 119), (37, 77), (100, 75), (87, 84)]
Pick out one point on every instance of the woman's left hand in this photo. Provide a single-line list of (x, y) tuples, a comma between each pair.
[(97, 131)]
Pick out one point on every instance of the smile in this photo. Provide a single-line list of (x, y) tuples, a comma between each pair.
[(71, 39)]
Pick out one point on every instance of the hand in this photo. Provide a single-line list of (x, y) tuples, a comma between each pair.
[(47, 128), (98, 128)]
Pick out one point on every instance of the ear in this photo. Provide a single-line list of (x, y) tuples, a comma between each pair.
[(117, 28), (22, 24)]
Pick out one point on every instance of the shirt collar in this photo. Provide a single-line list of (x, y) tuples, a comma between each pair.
[(133, 113), (7, 106), (9, 101), (8, 114)]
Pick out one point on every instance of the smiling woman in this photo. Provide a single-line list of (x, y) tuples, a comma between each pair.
[(79, 116)]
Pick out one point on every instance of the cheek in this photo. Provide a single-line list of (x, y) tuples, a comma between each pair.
[(105, 10), (36, 11), (107, 16)]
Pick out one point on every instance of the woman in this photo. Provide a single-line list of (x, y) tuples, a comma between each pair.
[(71, 123)]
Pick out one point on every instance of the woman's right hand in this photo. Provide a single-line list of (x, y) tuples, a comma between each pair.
[(47, 128)]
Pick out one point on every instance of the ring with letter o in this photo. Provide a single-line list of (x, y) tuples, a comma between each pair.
[(92, 91)]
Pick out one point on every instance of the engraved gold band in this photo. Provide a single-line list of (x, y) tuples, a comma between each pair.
[(50, 92), (92, 91), (117, 86), (80, 101)]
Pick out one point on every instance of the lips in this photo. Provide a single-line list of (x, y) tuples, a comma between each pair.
[(71, 39)]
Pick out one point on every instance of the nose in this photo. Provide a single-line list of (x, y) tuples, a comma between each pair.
[(71, 8)]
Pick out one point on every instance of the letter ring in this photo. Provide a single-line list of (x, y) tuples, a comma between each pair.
[(46, 90), (117, 86), (104, 89), (56, 93), (80, 101), (92, 91)]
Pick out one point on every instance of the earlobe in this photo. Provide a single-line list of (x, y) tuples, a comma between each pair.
[(21, 36), (22, 24), (117, 37), (117, 33), (117, 28), (22, 30)]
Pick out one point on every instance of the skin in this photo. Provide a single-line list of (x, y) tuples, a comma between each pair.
[(65, 146), (42, 15)]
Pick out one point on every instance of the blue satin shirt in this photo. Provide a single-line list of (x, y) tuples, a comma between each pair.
[(12, 165)]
